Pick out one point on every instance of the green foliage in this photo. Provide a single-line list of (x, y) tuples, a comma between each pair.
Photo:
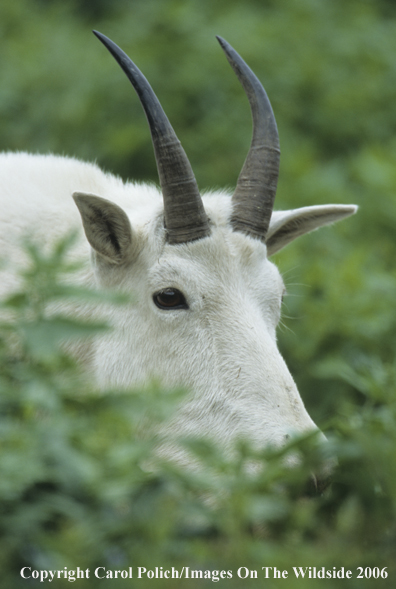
[(82, 484), (74, 491)]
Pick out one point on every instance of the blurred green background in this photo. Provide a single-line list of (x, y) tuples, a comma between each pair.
[(329, 68)]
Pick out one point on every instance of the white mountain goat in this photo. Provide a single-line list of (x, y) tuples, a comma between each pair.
[(207, 297)]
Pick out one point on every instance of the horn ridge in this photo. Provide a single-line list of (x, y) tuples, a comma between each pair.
[(254, 195), (184, 213)]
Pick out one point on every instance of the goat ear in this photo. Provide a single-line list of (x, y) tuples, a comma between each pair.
[(285, 226), (106, 226)]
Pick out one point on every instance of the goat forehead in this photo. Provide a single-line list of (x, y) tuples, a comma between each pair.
[(224, 258)]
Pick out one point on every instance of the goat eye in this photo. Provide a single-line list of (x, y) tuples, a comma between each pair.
[(170, 298)]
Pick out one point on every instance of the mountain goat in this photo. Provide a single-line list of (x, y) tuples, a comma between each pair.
[(207, 297)]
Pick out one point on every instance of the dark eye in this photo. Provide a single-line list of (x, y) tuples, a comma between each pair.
[(170, 298)]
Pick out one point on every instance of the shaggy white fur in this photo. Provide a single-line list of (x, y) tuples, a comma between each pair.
[(222, 343)]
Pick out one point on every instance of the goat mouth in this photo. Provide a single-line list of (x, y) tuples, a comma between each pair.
[(316, 485)]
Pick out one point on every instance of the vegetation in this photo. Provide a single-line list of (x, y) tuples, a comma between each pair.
[(81, 487), (75, 487)]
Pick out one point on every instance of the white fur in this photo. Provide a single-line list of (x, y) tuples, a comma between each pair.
[(223, 347)]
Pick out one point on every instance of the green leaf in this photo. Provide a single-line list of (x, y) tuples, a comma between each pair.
[(44, 337)]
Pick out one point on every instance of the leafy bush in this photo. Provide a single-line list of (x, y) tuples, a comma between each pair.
[(81, 487), (74, 482)]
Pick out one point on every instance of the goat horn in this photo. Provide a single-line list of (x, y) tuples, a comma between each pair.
[(254, 195), (185, 217)]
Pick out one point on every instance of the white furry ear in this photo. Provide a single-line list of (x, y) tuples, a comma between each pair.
[(106, 226), (285, 226)]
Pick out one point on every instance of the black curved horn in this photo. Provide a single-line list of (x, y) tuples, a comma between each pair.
[(254, 195), (185, 217)]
